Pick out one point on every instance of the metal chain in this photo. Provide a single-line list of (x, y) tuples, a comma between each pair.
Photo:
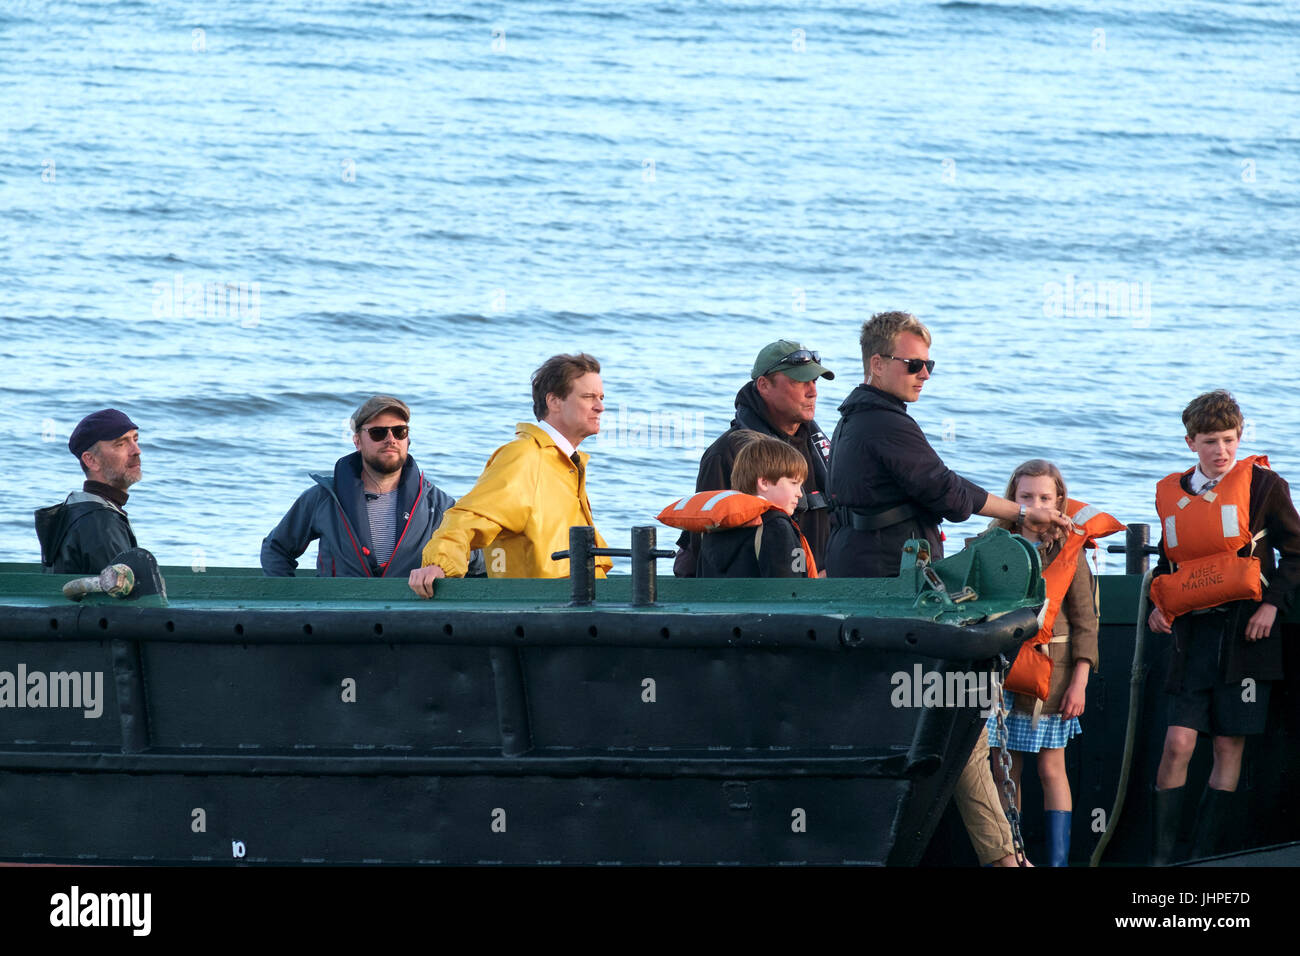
[(1004, 761)]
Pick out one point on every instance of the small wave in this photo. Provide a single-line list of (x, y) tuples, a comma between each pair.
[(1021, 11), (452, 17), (447, 235), (215, 406)]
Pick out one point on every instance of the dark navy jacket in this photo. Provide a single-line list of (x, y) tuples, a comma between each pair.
[(334, 510), (82, 535), (880, 459), (732, 554)]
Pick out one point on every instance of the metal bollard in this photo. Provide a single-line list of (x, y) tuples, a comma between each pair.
[(582, 565), (643, 566), (582, 556), (1136, 542), (1136, 548)]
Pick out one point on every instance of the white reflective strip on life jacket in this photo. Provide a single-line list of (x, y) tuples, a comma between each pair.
[(1084, 515), (682, 503), (1042, 615), (1210, 496), (1230, 526), (718, 497), (1171, 532), (1184, 501)]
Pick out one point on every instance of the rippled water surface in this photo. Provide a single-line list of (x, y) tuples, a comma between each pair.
[(429, 200)]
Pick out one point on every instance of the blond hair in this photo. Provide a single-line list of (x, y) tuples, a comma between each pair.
[(880, 333)]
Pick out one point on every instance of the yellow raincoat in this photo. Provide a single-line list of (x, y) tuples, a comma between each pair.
[(519, 512)]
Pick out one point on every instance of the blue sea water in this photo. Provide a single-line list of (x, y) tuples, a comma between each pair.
[(428, 200)]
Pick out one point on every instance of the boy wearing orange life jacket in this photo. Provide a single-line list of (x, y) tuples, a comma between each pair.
[(1218, 591), (750, 531)]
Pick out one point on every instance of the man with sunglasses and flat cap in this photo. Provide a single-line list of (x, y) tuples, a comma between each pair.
[(780, 400), (373, 514), (84, 533), (886, 481)]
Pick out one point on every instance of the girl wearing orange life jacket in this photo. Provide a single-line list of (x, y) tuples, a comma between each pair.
[(1046, 716)]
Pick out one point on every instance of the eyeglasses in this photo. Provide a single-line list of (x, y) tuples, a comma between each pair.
[(380, 432), (914, 365), (801, 357)]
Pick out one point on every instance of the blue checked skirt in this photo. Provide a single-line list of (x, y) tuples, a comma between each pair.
[(1053, 730)]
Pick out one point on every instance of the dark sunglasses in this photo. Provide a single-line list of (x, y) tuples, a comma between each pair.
[(380, 432), (801, 357), (914, 365)]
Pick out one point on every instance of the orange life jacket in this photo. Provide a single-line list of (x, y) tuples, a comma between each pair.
[(707, 511), (1201, 537), (1031, 673)]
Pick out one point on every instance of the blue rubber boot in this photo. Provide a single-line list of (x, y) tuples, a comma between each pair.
[(1058, 837)]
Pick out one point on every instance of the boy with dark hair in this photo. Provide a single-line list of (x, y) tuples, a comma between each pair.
[(770, 545), (1217, 590)]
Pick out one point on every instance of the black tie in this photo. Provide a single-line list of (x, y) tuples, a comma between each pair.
[(576, 461)]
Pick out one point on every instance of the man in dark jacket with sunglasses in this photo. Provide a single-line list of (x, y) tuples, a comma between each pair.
[(889, 485), (373, 515), (779, 400), (887, 482)]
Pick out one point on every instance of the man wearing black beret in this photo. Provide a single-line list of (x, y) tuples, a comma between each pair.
[(82, 535)]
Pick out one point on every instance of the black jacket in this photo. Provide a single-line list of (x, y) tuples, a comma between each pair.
[(732, 553), (715, 475), (82, 535), (1272, 511), (880, 460)]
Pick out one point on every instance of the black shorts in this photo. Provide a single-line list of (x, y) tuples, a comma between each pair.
[(1205, 703)]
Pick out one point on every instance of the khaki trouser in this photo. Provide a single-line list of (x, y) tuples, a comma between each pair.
[(981, 811)]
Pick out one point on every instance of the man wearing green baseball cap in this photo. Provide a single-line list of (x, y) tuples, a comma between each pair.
[(780, 399)]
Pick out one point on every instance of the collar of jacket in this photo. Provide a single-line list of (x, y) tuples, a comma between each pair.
[(89, 497), (116, 496), (867, 397), (349, 491), (544, 440), (751, 413)]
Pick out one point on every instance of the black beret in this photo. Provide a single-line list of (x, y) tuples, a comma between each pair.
[(105, 424)]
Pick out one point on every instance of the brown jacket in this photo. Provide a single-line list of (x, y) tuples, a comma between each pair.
[(1078, 620)]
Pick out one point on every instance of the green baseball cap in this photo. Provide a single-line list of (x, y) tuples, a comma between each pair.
[(792, 359)]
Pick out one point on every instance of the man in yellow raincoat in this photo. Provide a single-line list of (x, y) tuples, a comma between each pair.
[(531, 490)]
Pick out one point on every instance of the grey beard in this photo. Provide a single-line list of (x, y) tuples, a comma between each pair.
[(121, 480)]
